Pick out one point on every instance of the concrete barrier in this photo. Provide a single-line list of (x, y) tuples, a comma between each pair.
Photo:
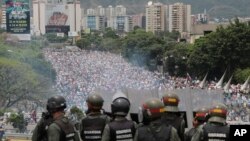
[(17, 137)]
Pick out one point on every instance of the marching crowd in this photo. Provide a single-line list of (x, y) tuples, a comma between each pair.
[(81, 72)]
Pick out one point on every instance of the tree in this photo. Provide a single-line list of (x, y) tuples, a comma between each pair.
[(25, 75), (78, 113), (109, 33), (176, 59), (18, 121), (111, 44), (140, 46), (53, 38), (83, 43), (227, 48), (242, 75), (17, 81)]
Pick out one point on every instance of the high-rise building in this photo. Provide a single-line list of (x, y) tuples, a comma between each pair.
[(120, 10), (155, 17), (91, 12), (122, 23), (110, 13), (100, 18), (3, 16), (100, 11), (179, 17), (94, 22), (137, 20), (201, 18)]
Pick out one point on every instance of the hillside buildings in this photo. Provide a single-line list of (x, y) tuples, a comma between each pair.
[(67, 16), (179, 17), (113, 17), (160, 17), (155, 17)]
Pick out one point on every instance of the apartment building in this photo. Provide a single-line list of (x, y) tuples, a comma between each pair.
[(179, 17), (155, 17)]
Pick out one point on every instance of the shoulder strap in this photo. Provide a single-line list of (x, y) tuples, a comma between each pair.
[(153, 133), (66, 127)]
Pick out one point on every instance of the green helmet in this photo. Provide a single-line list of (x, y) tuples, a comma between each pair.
[(95, 101), (120, 105), (171, 102), (218, 113), (56, 103), (201, 114), (152, 109)]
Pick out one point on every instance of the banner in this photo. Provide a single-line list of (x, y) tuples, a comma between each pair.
[(17, 16), (57, 19)]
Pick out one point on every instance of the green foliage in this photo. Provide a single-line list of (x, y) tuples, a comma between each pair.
[(109, 33), (17, 120), (227, 48), (17, 81), (111, 44), (1, 112), (53, 38), (90, 41), (176, 59), (24, 73), (30, 54), (83, 43), (242, 74), (76, 111), (2, 30), (141, 46)]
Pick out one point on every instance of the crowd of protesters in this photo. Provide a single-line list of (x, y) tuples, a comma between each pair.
[(81, 72)]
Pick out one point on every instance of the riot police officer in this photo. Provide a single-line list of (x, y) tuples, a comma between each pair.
[(93, 124), (61, 129), (172, 115), (195, 133), (41, 129), (120, 128), (216, 128), (153, 129)]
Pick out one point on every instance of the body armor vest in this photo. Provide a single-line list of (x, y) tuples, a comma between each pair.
[(145, 133), (175, 122), (190, 134), (122, 130), (46, 120), (216, 132), (68, 133), (93, 128)]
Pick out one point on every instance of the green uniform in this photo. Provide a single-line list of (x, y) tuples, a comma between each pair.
[(40, 131), (156, 125), (55, 132), (194, 134), (106, 131), (35, 136), (173, 119), (93, 116)]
